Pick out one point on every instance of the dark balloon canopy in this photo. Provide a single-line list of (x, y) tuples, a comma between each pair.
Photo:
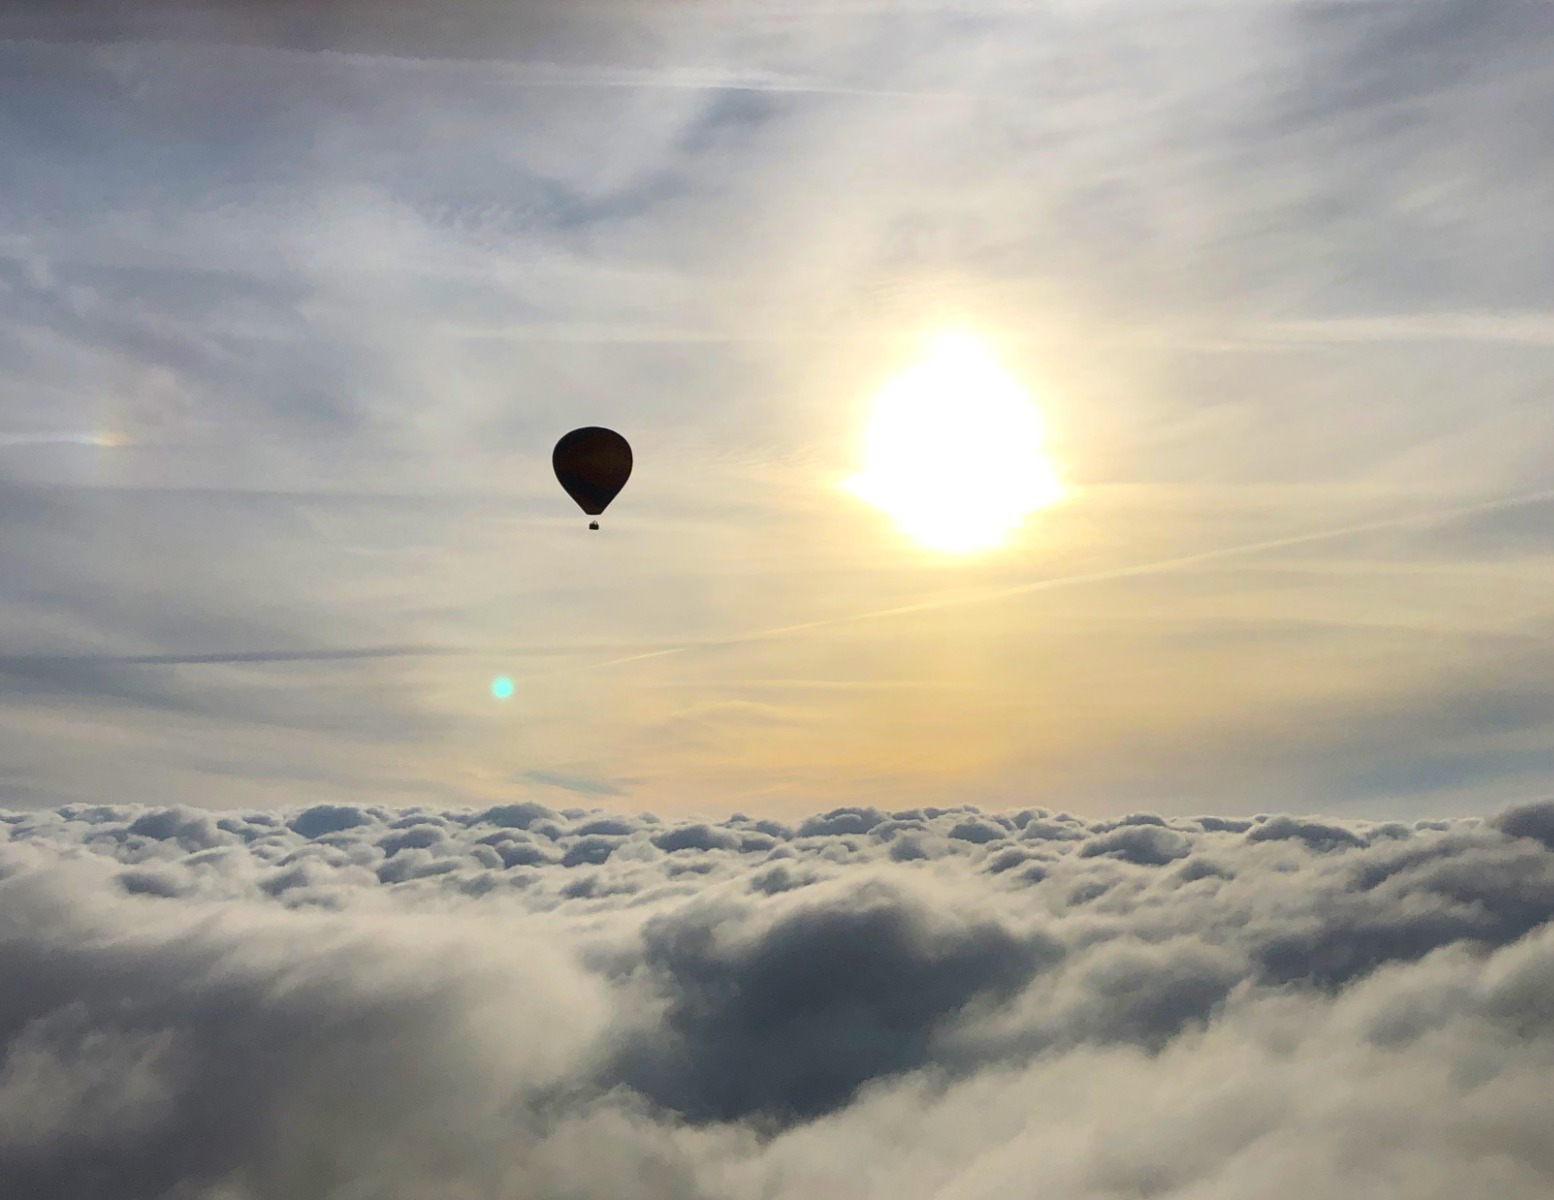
[(593, 465)]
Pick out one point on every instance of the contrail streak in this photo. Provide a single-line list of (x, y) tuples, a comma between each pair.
[(1156, 567), (536, 76), (220, 657), (106, 440), (25, 662)]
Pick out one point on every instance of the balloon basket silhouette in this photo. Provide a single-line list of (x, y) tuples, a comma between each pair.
[(593, 524)]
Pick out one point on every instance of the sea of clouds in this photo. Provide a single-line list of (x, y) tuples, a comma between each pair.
[(360, 1002)]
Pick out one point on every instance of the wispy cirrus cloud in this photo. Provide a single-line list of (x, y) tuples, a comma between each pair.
[(581, 785)]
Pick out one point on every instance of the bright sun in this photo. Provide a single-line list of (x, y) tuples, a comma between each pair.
[(953, 451)]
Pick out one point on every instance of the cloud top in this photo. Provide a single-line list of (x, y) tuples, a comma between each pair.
[(536, 1002)]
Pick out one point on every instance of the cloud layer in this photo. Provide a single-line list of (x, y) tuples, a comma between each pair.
[(353, 1001)]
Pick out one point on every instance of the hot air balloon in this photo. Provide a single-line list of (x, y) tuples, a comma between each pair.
[(593, 465)]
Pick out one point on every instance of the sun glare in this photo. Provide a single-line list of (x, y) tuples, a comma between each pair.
[(953, 451)]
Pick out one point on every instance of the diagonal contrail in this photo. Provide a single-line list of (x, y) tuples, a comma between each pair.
[(1155, 567), (220, 657), (25, 662), (105, 440)]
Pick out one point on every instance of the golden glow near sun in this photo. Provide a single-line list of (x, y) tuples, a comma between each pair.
[(953, 451)]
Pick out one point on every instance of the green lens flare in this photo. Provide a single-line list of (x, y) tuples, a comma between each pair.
[(502, 687)]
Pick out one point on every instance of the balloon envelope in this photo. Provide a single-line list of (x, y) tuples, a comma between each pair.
[(593, 465)]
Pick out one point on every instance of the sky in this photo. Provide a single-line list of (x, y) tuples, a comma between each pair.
[(295, 300)]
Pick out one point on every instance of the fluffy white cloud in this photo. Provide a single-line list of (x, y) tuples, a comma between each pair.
[(348, 1001)]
